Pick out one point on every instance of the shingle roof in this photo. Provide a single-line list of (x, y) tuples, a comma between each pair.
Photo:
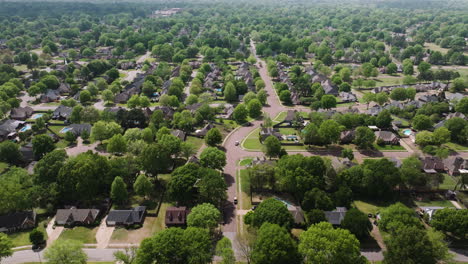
[(127, 217), (16, 219)]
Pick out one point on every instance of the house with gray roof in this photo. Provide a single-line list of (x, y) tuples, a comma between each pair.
[(21, 113), (62, 112), (388, 137), (336, 216), (74, 216), (134, 216)]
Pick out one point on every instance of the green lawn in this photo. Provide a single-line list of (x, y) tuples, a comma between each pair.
[(252, 142), (3, 166), (455, 146), (61, 144), (367, 207), (389, 148), (79, 233), (442, 203), (288, 131), (245, 162), (56, 129), (280, 117), (404, 122), (245, 189), (436, 47), (448, 183), (198, 142), (387, 80), (22, 238)]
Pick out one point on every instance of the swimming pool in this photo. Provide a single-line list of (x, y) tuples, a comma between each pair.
[(65, 130), (25, 128), (407, 132), (36, 116)]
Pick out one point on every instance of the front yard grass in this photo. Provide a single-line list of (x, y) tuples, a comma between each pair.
[(448, 183), (441, 203), (389, 148), (456, 147), (22, 238), (83, 234), (198, 142), (3, 166), (245, 189), (245, 162)]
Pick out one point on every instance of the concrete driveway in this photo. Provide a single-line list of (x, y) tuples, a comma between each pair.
[(104, 234), (53, 233)]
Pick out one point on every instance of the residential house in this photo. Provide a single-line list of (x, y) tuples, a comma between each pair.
[(288, 120), (176, 216), (50, 96), (227, 112), (193, 159), (456, 114), (347, 136), (64, 88), (194, 107), (336, 216), (27, 153), (17, 221), (428, 99), (179, 133), (433, 165), (456, 165), (269, 131), (454, 96), (78, 129), (74, 216), (374, 110), (21, 113), (134, 216), (202, 132), (260, 161), (62, 112), (388, 137), (8, 129), (430, 210), (329, 87), (347, 97), (167, 111)]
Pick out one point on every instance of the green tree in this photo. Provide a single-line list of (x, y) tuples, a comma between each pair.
[(451, 221), (240, 113), (36, 237), (462, 106), (391, 68), (381, 98), (458, 85), (42, 144), (213, 137), (410, 245), (357, 223), (143, 186), (213, 158), (315, 216), (329, 131), (154, 158), (368, 97), (272, 146), (187, 150), (117, 144), (441, 136), (396, 216), (65, 252), (285, 96), (262, 96), (9, 152), (119, 191), (85, 96), (398, 94), (47, 168), (328, 101), (321, 243), (230, 93), (424, 67), (224, 250), (272, 211), (6, 246), (212, 186), (204, 216), (384, 119), (274, 245), (422, 122), (255, 108)]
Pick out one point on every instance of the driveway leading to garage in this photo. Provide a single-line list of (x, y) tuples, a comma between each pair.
[(104, 234), (53, 233)]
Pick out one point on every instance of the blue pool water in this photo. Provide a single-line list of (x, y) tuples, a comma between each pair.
[(25, 128), (36, 116), (65, 130), (407, 132)]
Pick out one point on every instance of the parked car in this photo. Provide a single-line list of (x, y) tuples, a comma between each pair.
[(235, 200)]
